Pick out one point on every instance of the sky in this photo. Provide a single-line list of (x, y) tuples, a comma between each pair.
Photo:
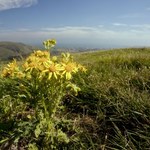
[(77, 23)]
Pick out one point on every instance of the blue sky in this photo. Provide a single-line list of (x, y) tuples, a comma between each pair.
[(80, 23)]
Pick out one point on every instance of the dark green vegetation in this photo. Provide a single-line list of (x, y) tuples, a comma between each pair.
[(112, 110), (10, 50)]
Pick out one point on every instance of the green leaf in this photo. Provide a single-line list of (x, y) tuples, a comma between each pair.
[(37, 131)]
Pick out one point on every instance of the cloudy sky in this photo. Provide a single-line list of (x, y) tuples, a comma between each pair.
[(80, 23)]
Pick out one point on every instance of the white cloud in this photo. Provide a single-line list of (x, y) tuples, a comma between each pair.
[(9, 4), (82, 36), (119, 24), (69, 28), (138, 27)]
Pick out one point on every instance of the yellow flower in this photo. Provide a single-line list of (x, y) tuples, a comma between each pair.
[(52, 42), (66, 57), (49, 43), (31, 63), (13, 65), (20, 74), (30, 66), (10, 70), (68, 69), (6, 72), (52, 69), (39, 53)]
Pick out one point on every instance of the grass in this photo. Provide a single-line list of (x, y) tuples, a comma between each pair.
[(112, 110), (115, 95)]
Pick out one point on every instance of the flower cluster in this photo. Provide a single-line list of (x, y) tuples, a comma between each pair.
[(43, 65)]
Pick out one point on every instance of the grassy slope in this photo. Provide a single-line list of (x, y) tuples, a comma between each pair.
[(115, 99), (12, 49), (113, 108)]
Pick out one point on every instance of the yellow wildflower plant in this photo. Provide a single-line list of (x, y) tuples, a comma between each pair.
[(42, 81)]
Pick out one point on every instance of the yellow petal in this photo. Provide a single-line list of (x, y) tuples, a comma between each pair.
[(55, 75), (68, 75), (50, 75)]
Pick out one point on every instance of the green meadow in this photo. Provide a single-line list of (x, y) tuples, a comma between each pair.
[(110, 112)]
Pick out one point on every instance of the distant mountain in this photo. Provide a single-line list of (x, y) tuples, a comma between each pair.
[(10, 50)]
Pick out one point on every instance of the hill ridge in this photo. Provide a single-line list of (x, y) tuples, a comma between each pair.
[(10, 50)]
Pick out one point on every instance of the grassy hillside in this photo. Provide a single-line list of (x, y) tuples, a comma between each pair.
[(112, 110), (8, 50), (115, 99)]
